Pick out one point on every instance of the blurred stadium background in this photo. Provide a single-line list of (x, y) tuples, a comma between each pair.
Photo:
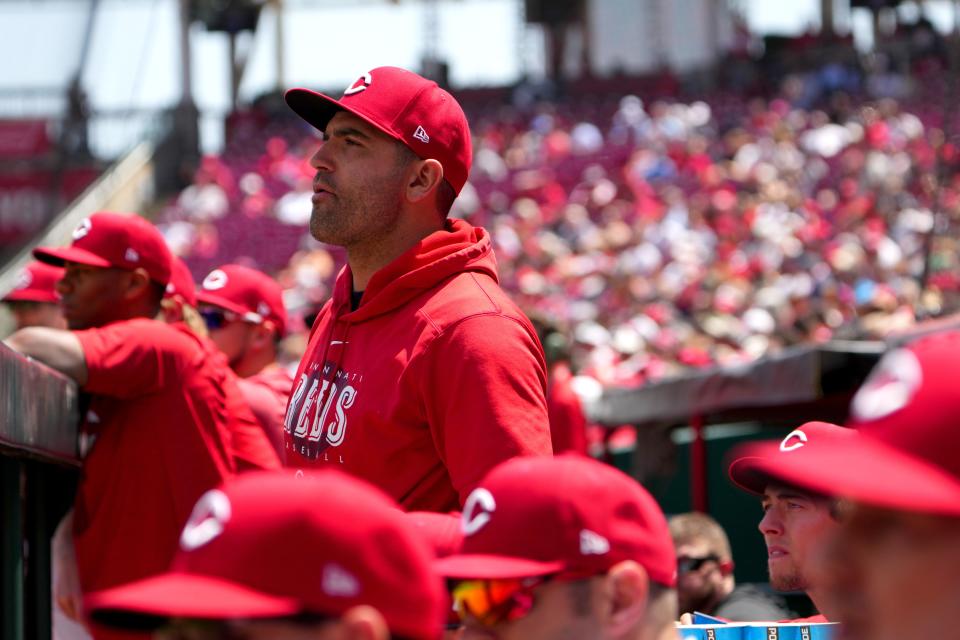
[(727, 208)]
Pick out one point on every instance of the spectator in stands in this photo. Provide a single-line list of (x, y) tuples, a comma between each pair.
[(250, 441), (269, 556), (34, 302), (563, 547), (705, 581), (155, 433), (245, 315), (568, 425), (890, 568), (796, 522), (421, 374)]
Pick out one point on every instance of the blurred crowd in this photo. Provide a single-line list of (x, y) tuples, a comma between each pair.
[(657, 235)]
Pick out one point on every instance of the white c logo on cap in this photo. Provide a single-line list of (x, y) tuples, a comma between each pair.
[(24, 278), (477, 510), (216, 279), (207, 520), (801, 440), (890, 386), (358, 85), (82, 229)]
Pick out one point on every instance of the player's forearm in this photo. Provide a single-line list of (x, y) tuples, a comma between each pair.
[(60, 350)]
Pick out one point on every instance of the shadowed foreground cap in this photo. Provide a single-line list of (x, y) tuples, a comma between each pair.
[(114, 240), (567, 514), (906, 455), (269, 544), (181, 283), (251, 294), (756, 464), (36, 282), (406, 107)]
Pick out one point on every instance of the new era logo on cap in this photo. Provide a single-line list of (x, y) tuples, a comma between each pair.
[(421, 135), (339, 582), (593, 543)]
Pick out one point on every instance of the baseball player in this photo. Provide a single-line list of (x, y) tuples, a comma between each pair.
[(269, 556), (563, 547), (890, 569), (155, 433), (33, 301), (244, 313), (796, 521), (420, 374), (250, 443)]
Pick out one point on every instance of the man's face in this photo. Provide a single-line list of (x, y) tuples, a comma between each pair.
[(893, 574), (91, 296), (358, 184), (37, 314), (794, 526), (562, 610), (228, 331), (697, 587)]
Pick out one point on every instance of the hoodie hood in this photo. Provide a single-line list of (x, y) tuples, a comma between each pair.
[(457, 248)]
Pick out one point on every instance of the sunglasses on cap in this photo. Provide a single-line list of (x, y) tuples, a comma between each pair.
[(686, 564), (491, 602)]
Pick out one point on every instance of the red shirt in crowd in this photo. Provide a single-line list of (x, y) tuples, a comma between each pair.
[(568, 426), (267, 394), (156, 437), (434, 379)]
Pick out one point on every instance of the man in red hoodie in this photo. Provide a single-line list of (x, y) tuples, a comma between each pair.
[(420, 374)]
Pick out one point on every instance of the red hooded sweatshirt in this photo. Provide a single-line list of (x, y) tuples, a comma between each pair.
[(434, 379)]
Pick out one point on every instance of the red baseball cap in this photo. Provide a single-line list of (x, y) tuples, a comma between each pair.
[(405, 106), (105, 239), (270, 544), (181, 283), (566, 514), (252, 294), (757, 463), (440, 530), (36, 282), (906, 455)]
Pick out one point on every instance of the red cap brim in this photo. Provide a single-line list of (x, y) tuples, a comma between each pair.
[(182, 595), (31, 295), (57, 257), (493, 567), (318, 109), (218, 301), (862, 469)]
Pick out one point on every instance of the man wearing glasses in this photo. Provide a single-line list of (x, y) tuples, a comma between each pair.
[(563, 547), (705, 581), (244, 313), (270, 556)]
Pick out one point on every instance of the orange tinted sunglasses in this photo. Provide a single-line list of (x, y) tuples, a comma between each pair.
[(491, 602)]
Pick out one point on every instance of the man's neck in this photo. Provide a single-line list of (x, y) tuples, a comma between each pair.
[(253, 363), (370, 257), (821, 603)]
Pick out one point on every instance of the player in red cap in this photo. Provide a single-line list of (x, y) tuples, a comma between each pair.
[(33, 301), (796, 521), (244, 313), (272, 557), (890, 571), (155, 435), (420, 374), (563, 547), (250, 444)]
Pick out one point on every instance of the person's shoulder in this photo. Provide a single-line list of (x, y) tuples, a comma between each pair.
[(469, 294)]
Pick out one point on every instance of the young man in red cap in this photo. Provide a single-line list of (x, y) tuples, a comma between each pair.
[(890, 569), (155, 434), (420, 374), (563, 547), (269, 556), (249, 441), (244, 313), (796, 522), (34, 302)]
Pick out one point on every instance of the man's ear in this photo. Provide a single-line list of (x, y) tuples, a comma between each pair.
[(138, 282), (627, 586), (726, 567), (363, 622), (424, 179)]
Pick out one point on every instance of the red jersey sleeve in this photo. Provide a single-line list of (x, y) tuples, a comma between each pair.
[(129, 359), (484, 391)]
